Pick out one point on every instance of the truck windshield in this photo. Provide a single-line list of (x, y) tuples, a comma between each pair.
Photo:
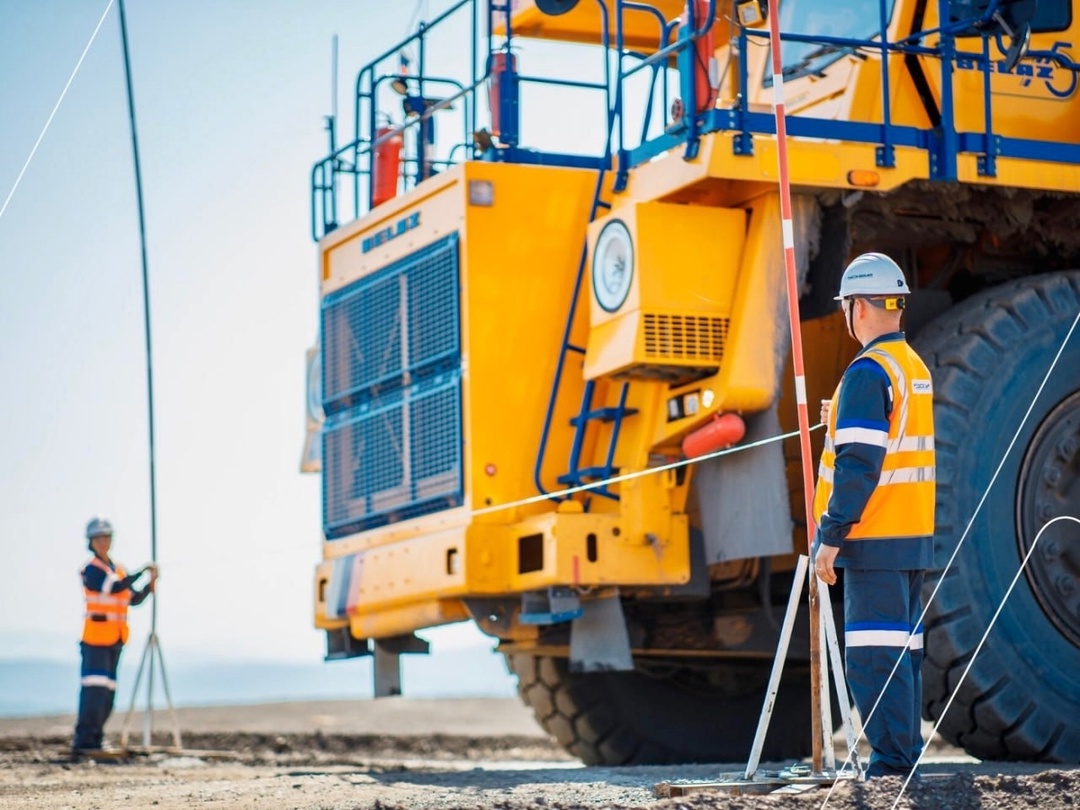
[(847, 19)]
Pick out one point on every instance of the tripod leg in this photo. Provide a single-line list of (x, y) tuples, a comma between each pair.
[(827, 748), (778, 667), (148, 715), (134, 694), (168, 699), (842, 695)]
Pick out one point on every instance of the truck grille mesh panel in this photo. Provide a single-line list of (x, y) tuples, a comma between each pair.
[(685, 337), (392, 446)]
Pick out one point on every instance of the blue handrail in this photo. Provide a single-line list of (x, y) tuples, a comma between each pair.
[(943, 142), (353, 159)]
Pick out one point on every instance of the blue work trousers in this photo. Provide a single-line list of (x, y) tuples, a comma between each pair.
[(881, 614), (98, 692)]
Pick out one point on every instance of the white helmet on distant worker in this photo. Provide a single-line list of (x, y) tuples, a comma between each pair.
[(872, 274), (98, 527)]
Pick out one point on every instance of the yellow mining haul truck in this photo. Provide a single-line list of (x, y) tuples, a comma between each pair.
[(506, 327)]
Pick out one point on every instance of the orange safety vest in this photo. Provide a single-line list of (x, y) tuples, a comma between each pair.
[(902, 504), (106, 613)]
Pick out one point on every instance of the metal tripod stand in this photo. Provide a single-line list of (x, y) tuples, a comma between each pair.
[(797, 778), (829, 654), (151, 658)]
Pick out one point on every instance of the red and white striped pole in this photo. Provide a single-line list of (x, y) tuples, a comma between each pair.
[(800, 375)]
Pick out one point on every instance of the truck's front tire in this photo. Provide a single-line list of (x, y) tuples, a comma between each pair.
[(664, 713), (988, 356)]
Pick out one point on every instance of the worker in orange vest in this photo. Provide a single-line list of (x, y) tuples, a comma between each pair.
[(108, 590), (874, 508)]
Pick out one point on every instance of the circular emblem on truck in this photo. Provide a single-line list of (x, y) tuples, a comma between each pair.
[(612, 266)]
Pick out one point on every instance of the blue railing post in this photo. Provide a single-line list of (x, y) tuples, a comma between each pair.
[(684, 61), (988, 160), (743, 142), (330, 199), (423, 132), (470, 117), (502, 70), (623, 173), (886, 153), (366, 77), (943, 157)]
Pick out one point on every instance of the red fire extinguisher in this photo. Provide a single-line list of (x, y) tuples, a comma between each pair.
[(704, 55), (719, 432), (385, 165)]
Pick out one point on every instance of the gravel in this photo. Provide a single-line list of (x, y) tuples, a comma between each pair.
[(426, 765)]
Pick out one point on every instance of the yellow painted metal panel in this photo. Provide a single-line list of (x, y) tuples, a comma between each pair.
[(398, 572), (1013, 172), (676, 311), (1039, 99), (428, 212), (718, 176), (407, 619), (623, 556), (748, 379), (451, 521), (613, 344), (519, 260)]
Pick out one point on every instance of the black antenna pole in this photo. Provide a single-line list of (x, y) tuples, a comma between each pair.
[(153, 646), (146, 290)]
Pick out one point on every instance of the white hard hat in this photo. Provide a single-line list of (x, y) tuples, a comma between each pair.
[(872, 274), (98, 527)]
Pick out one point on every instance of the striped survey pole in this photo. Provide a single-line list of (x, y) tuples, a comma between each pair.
[(800, 377)]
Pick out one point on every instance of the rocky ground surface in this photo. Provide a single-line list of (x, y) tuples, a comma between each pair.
[(414, 754)]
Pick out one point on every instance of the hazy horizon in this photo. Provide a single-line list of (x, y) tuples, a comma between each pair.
[(42, 686)]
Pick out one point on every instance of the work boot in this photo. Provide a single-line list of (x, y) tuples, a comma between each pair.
[(104, 751)]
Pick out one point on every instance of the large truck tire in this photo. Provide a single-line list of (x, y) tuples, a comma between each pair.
[(988, 356), (664, 713)]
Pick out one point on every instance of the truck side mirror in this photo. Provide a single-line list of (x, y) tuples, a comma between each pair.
[(1018, 44), (1011, 18)]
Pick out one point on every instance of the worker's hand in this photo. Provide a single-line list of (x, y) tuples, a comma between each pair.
[(826, 404), (823, 563)]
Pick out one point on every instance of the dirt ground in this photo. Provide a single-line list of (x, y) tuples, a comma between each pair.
[(410, 754)]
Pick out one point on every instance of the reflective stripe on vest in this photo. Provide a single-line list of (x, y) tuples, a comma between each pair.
[(105, 623), (902, 504)]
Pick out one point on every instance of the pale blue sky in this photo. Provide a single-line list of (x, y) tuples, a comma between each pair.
[(230, 96)]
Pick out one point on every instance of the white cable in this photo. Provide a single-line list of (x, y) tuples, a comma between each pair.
[(63, 93), (963, 537), (638, 474), (592, 485), (979, 647)]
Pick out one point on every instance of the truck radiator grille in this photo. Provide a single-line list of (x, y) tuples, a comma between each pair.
[(391, 349), (685, 337)]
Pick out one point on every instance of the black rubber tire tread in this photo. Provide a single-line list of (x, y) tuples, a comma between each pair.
[(628, 718), (1016, 703)]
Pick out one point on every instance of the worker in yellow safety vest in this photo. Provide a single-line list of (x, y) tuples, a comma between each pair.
[(874, 510), (108, 591)]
